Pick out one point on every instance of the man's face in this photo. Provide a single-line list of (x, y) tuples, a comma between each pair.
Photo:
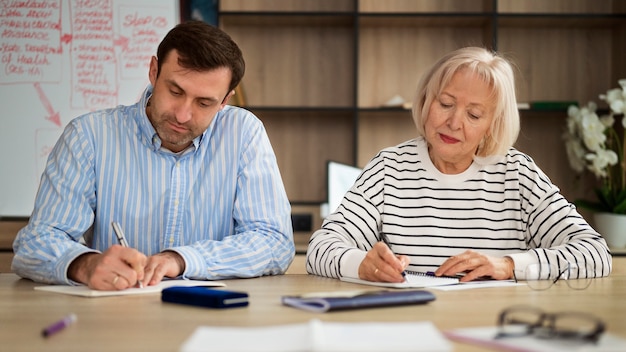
[(184, 102)]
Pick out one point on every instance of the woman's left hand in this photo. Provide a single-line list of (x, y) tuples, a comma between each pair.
[(476, 265)]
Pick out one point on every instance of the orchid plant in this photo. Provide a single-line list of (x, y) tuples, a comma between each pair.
[(594, 143)]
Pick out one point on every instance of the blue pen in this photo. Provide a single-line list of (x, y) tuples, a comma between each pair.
[(383, 236)]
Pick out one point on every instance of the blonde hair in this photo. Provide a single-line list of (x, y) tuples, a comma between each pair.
[(494, 70)]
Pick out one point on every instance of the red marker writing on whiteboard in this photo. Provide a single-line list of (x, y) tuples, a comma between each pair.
[(59, 325)]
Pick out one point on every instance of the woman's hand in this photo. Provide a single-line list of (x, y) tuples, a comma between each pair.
[(380, 264), (476, 265)]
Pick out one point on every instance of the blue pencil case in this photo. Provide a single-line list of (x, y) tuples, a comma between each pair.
[(204, 297)]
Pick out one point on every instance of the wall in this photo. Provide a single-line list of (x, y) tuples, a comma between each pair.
[(60, 59)]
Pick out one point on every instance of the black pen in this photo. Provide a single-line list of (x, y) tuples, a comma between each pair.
[(121, 238), (386, 241), (457, 276)]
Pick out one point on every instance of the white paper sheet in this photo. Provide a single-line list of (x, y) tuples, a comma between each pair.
[(317, 336), (87, 292), (478, 284)]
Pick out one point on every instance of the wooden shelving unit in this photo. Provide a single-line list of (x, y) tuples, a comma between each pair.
[(319, 72)]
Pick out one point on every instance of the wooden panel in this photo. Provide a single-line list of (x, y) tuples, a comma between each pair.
[(619, 51), (381, 129), (5, 262), (424, 5), (559, 63), (8, 230), (392, 59), (540, 138), (304, 141), (297, 65), (557, 6), (286, 5)]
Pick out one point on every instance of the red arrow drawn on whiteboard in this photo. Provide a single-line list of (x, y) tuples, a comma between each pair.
[(121, 41), (54, 117), (65, 39)]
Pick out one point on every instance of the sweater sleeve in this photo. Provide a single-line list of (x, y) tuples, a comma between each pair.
[(556, 234), (339, 246)]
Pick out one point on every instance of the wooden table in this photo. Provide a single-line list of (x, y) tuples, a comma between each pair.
[(144, 323)]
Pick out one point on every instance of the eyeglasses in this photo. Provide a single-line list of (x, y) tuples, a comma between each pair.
[(520, 321), (542, 276)]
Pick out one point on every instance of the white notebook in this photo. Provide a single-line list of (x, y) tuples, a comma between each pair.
[(87, 292), (414, 279)]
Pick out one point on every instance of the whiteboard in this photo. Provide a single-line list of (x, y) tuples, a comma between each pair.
[(61, 59)]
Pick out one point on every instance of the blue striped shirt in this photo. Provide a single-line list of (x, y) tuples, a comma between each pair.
[(220, 203)]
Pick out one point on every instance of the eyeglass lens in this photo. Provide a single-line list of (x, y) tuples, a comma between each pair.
[(525, 320), (542, 276)]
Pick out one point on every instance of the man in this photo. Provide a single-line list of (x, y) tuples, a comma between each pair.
[(193, 182)]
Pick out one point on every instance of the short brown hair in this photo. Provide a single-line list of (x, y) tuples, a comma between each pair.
[(203, 47)]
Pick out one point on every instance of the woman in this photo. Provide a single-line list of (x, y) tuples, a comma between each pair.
[(458, 198)]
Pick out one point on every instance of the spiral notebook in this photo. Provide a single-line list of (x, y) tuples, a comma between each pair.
[(414, 279)]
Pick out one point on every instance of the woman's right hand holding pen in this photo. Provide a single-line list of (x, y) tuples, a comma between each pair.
[(381, 264)]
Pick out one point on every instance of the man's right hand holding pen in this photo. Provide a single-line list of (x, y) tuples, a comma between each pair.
[(121, 267), (117, 268)]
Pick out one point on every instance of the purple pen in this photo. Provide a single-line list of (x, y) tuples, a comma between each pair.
[(59, 325)]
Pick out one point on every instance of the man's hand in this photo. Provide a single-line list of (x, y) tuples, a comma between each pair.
[(165, 264), (118, 268), (477, 265), (380, 264)]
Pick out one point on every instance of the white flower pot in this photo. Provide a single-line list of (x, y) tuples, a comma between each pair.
[(612, 227)]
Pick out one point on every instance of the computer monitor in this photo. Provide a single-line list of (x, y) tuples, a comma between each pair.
[(340, 177)]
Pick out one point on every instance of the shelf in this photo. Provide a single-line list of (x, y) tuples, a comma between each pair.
[(319, 72), (561, 7), (288, 6), (299, 65), (425, 19), (380, 128), (304, 142), (320, 109), (285, 19), (425, 6), (566, 21), (391, 59)]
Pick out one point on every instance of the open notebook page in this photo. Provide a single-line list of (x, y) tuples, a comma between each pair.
[(87, 292)]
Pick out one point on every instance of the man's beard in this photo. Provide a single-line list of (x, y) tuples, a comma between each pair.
[(171, 137)]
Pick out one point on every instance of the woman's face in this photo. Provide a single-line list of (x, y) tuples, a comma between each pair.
[(458, 120)]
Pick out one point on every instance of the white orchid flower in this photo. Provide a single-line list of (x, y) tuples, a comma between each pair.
[(575, 154), (593, 131), (589, 139)]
